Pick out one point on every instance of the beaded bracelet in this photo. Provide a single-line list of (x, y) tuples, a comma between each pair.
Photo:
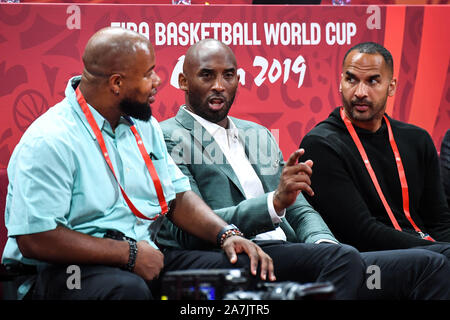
[(226, 232), (132, 256)]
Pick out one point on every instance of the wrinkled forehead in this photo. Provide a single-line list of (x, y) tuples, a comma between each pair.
[(113, 50), (144, 57), (216, 60), (209, 55), (358, 62), (142, 46)]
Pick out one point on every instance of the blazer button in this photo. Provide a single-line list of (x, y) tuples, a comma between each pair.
[(276, 163)]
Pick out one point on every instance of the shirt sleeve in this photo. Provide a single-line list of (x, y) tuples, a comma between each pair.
[(41, 187), (325, 241), (276, 218)]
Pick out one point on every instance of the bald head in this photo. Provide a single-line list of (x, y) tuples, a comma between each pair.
[(204, 49), (119, 77), (209, 80), (112, 50)]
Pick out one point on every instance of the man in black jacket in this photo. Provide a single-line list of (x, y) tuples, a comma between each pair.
[(376, 180)]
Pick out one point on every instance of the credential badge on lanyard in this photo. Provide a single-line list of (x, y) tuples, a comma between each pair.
[(148, 162), (400, 170)]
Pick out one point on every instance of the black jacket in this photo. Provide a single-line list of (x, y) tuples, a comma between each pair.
[(345, 195)]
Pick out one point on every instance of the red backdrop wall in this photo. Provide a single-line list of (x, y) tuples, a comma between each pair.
[(41, 47)]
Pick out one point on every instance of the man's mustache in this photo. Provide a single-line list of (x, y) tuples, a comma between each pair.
[(361, 102), (216, 96)]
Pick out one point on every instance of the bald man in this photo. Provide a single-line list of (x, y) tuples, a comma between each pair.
[(87, 176)]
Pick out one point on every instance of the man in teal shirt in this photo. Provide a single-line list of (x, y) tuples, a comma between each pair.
[(63, 199)]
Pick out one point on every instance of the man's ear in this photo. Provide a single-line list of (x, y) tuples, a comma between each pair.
[(182, 82), (115, 82), (392, 87)]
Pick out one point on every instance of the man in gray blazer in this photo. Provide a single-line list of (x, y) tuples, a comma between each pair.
[(237, 168)]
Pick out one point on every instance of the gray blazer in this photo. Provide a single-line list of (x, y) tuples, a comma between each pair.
[(200, 158)]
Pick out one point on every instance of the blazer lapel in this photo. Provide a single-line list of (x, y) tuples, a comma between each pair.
[(211, 152), (253, 154)]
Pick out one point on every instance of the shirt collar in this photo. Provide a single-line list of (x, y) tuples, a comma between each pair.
[(212, 127), (102, 123)]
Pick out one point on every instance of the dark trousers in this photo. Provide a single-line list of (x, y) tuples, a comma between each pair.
[(403, 274), (302, 263), (414, 274), (439, 247), (299, 262), (96, 283)]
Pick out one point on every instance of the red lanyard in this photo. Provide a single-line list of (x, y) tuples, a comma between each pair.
[(145, 156), (400, 169)]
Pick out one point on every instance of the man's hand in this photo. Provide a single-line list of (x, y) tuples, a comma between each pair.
[(62, 245), (235, 244), (149, 261), (295, 178)]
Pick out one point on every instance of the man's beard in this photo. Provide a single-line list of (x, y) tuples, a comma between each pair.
[(135, 109)]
